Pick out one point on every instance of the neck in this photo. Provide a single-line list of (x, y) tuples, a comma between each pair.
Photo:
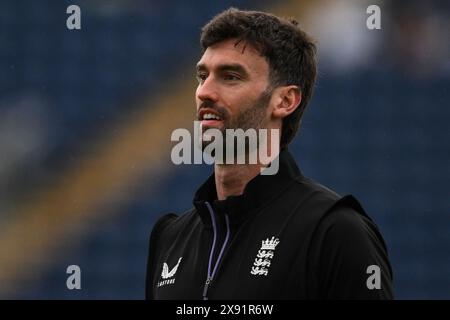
[(232, 179)]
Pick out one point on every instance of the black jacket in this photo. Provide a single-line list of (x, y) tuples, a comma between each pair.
[(286, 237)]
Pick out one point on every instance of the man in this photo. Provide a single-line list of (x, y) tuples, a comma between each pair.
[(256, 236)]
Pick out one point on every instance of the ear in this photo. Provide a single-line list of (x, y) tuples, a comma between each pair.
[(287, 100)]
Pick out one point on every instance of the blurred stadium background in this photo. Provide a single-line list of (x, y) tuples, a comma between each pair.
[(86, 117)]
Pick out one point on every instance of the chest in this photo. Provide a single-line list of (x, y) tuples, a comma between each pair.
[(262, 259)]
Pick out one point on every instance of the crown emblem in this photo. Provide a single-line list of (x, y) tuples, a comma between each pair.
[(270, 244)]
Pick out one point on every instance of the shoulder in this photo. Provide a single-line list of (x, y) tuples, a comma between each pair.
[(171, 224), (166, 229), (346, 224), (346, 244), (312, 194), (335, 219), (311, 200), (314, 187)]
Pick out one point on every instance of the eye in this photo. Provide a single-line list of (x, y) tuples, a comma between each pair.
[(231, 77), (201, 77)]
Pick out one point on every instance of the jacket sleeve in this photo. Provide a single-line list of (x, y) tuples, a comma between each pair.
[(350, 258), (153, 250)]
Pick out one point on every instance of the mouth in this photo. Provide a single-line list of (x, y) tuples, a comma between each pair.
[(210, 119)]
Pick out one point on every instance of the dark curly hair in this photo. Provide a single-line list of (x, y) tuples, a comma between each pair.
[(290, 52)]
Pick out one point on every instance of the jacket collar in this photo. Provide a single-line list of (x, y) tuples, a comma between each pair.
[(259, 191)]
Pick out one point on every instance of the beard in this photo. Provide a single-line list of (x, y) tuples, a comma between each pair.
[(251, 117)]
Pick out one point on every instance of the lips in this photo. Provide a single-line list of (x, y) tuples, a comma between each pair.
[(208, 114), (210, 118), (208, 124)]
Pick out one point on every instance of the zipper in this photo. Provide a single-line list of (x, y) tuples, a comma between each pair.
[(205, 288), (211, 273)]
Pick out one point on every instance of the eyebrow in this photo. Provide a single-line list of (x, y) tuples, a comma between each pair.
[(226, 67)]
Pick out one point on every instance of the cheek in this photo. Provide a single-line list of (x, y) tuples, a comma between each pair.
[(238, 102), (198, 102), (196, 95)]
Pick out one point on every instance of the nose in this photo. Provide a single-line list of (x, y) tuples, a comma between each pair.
[(207, 91)]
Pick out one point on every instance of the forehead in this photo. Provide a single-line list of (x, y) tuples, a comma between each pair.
[(227, 52)]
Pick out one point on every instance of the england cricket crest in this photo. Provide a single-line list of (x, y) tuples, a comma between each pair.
[(264, 257)]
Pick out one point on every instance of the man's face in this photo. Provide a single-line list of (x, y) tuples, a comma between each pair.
[(233, 87)]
